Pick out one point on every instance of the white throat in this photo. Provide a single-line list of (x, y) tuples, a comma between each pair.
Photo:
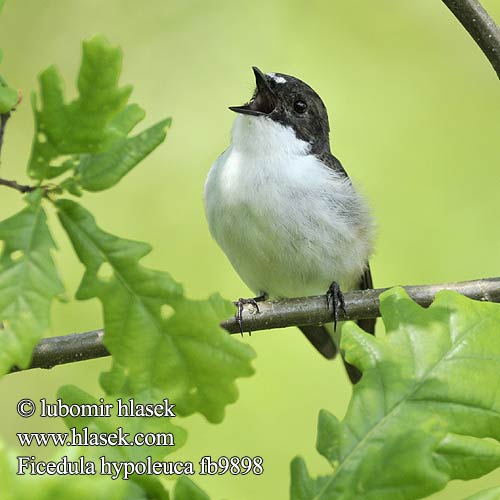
[(261, 136)]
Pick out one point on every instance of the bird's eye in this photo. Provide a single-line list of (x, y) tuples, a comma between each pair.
[(300, 106)]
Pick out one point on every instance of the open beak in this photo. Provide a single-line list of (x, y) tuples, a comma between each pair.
[(264, 101)]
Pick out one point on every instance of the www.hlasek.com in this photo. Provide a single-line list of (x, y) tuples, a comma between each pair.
[(82, 436)]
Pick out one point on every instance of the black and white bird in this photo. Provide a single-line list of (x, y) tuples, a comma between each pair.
[(282, 207)]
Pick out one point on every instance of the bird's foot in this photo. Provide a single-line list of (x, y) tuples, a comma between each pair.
[(335, 299), (239, 306)]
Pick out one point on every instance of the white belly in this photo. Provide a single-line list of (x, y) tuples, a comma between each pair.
[(289, 225)]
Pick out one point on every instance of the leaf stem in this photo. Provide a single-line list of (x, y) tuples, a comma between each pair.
[(359, 304)]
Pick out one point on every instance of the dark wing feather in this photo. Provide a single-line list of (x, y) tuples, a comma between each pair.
[(332, 162), (318, 335)]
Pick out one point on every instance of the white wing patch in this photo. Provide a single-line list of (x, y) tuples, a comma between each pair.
[(277, 79)]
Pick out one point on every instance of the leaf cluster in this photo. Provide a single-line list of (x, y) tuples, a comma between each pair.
[(162, 343), (427, 409)]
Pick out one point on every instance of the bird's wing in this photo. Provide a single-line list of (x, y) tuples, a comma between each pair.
[(330, 161), (319, 335), (365, 282)]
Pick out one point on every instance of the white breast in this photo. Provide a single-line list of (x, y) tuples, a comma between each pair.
[(288, 224)]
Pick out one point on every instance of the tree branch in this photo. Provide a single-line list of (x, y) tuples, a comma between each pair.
[(22, 188), (480, 26), (359, 304), (65, 349)]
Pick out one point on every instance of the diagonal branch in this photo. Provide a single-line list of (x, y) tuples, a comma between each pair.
[(22, 188), (359, 304), (480, 26)]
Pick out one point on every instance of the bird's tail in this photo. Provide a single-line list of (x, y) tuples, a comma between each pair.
[(320, 337)]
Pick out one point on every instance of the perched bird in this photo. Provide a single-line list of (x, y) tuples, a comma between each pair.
[(282, 207)]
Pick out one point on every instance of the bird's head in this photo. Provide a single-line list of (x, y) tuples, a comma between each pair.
[(290, 103)]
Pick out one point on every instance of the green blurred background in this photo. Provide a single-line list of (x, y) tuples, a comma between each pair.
[(414, 109)]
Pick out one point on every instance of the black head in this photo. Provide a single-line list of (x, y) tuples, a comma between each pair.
[(291, 102)]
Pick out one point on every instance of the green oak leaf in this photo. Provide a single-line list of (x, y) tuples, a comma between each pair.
[(28, 283), (2, 3), (83, 125), (427, 409), (126, 120), (93, 127), (185, 489), (489, 494), (161, 342), (8, 96), (104, 170)]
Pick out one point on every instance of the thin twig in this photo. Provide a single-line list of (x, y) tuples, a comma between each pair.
[(480, 26), (22, 188), (360, 304)]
